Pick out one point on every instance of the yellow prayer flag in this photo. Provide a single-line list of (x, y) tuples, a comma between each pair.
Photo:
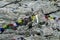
[(51, 18)]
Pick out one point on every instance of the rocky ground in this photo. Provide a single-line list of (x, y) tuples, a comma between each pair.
[(11, 10)]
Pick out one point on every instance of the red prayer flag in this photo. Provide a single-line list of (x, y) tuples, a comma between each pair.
[(12, 25), (46, 17), (58, 18)]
